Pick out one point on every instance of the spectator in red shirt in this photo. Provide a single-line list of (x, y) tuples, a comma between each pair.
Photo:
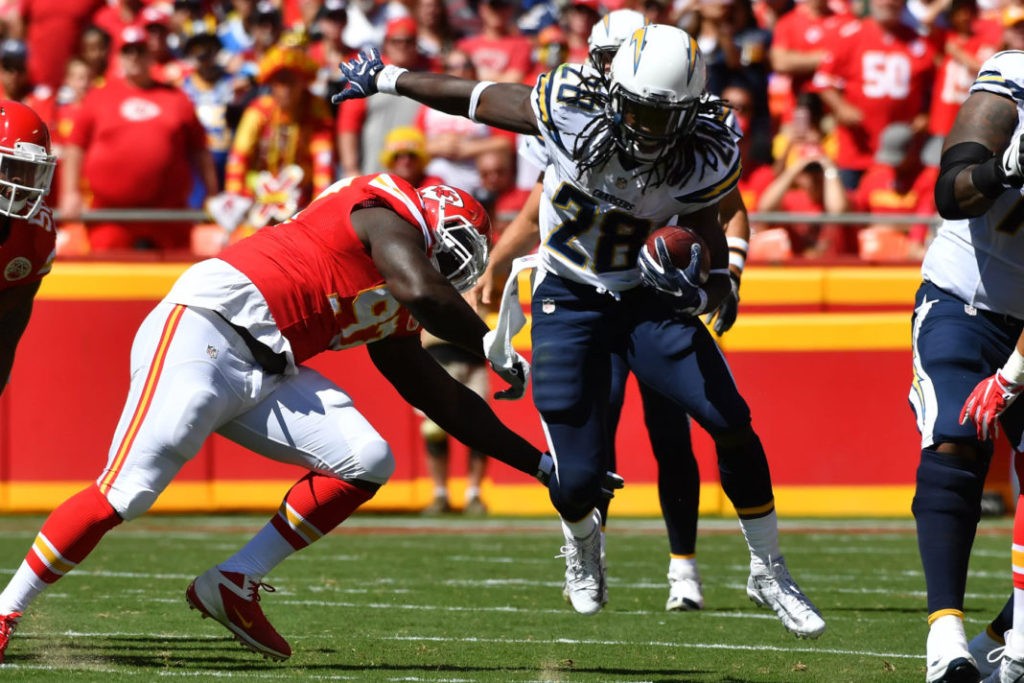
[(437, 36), (94, 48), (498, 192), (877, 71), (499, 53), (51, 29), (962, 52), (552, 49), (580, 17), (798, 47), (133, 144)]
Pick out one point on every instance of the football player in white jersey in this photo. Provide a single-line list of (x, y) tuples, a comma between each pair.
[(646, 148), (969, 314), (667, 423)]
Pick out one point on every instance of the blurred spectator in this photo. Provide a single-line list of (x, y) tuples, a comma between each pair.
[(94, 48), (877, 71), (498, 192), (114, 17), (499, 53), (167, 68), (329, 50), (1013, 28), (218, 98), (798, 46), (51, 30), (890, 185), (580, 17), (551, 50), (363, 123), (736, 50), (454, 142), (436, 35), (931, 154), (756, 173), (962, 52), (189, 18), (368, 22), (280, 132), (133, 144), (804, 133), (769, 12), (811, 185), (405, 155), (248, 32)]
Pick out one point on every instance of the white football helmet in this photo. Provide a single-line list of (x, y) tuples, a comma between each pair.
[(609, 33), (461, 228), (656, 88)]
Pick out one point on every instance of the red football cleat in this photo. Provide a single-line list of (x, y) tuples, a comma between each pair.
[(233, 600), (8, 622)]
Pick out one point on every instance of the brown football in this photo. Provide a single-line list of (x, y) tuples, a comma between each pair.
[(679, 242)]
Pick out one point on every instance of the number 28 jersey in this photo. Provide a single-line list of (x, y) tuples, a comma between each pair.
[(981, 259), (594, 222)]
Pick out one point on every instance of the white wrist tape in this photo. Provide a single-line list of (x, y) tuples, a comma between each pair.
[(1014, 368), (387, 79), (474, 98), (737, 252)]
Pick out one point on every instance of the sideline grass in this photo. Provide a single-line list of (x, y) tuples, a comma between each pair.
[(388, 598)]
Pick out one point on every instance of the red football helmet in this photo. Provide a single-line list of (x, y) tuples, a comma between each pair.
[(26, 162), (461, 227)]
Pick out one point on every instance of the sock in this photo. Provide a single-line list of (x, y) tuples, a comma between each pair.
[(946, 507), (472, 492), (580, 529), (682, 566), (314, 506), (946, 631), (762, 536), (1002, 623), (68, 536)]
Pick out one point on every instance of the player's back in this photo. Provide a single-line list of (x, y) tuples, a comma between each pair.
[(594, 219), (981, 260)]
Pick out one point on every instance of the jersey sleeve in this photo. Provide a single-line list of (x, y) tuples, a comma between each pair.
[(1002, 74), (402, 198), (556, 104)]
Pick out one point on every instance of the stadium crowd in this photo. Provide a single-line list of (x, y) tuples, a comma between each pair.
[(224, 104)]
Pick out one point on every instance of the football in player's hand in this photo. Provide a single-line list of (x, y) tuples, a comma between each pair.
[(679, 242)]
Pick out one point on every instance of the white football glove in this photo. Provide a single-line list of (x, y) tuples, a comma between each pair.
[(1012, 164), (517, 374)]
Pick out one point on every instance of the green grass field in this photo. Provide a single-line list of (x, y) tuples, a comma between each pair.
[(389, 598)]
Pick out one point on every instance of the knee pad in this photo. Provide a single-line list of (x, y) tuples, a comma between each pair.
[(558, 385), (950, 484), (376, 461)]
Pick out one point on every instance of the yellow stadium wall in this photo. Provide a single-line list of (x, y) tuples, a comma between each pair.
[(821, 354)]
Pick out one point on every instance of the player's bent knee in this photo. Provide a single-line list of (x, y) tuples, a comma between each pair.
[(376, 461), (130, 505)]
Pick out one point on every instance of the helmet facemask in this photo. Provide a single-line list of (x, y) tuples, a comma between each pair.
[(460, 249), (649, 128), (25, 175)]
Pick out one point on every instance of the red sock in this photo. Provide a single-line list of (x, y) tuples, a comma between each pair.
[(315, 505), (70, 533)]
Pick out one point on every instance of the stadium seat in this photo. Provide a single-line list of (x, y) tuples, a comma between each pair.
[(770, 246), (208, 239), (72, 240), (883, 244)]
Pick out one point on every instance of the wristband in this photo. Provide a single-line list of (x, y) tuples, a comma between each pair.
[(1013, 370), (989, 179), (474, 99), (737, 252), (387, 79), (545, 467)]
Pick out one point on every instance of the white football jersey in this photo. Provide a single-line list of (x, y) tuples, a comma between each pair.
[(593, 222), (981, 260)]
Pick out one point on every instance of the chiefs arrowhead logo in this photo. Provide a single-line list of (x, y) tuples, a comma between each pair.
[(442, 194)]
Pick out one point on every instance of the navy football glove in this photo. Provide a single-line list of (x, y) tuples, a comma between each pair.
[(683, 285), (725, 315), (359, 76)]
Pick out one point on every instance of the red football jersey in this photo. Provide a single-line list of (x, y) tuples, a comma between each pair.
[(886, 75), (27, 253), (330, 294)]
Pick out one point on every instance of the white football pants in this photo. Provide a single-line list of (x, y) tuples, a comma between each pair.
[(192, 375)]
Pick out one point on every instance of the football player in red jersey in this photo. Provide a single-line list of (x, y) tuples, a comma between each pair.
[(367, 262), (27, 234)]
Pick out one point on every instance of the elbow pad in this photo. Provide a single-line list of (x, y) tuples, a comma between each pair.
[(955, 159)]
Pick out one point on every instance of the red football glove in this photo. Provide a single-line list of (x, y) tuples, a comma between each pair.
[(987, 402)]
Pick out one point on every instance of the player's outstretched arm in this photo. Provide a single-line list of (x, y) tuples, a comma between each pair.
[(455, 408), (502, 105), (981, 157), (15, 311)]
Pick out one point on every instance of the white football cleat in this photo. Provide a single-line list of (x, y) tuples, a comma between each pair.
[(1011, 660), (947, 658), (584, 569), (770, 585), (685, 591)]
